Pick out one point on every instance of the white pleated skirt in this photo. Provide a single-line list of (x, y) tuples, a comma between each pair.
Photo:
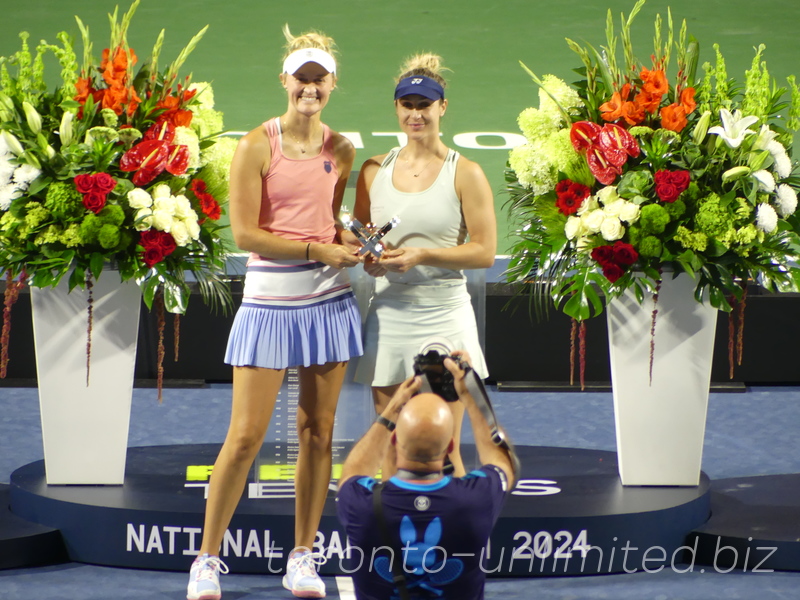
[(294, 313), (402, 318)]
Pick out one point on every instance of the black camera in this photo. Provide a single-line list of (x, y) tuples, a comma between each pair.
[(429, 365)]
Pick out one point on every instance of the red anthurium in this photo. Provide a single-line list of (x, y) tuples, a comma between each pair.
[(583, 135), (615, 140), (602, 170), (148, 159), (163, 130), (178, 160)]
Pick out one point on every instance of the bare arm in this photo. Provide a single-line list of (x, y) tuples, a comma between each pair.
[(477, 204), (488, 452), (250, 164), (366, 456)]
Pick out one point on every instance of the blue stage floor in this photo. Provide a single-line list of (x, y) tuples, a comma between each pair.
[(751, 433)]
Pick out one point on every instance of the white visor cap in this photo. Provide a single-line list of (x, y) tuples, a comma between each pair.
[(300, 57)]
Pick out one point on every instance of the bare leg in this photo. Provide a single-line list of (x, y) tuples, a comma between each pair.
[(254, 393), (319, 393), (380, 398)]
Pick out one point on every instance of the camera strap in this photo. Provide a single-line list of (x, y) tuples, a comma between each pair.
[(398, 577), (478, 392)]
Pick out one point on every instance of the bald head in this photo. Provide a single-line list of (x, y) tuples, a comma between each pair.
[(424, 430)]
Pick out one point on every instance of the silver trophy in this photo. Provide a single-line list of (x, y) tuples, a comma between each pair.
[(370, 237)]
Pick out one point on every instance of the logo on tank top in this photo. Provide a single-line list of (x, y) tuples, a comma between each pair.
[(328, 166), (422, 503)]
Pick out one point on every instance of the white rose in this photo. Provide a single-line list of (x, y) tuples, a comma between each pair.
[(138, 198), (193, 227), (161, 191), (162, 220), (166, 205), (611, 229), (180, 232), (630, 212), (183, 208), (614, 209), (589, 204), (574, 227), (607, 195), (146, 222), (593, 220)]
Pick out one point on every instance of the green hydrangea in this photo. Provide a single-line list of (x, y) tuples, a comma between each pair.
[(36, 214), (743, 210), (110, 118), (653, 218), (536, 125), (711, 218), (634, 234), (675, 209), (216, 168), (564, 158), (112, 214), (533, 168), (746, 235), (207, 122), (108, 236), (49, 236), (691, 240), (63, 200), (565, 97), (650, 246), (71, 237), (89, 228)]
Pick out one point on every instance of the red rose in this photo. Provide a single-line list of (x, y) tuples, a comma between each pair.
[(167, 243), (670, 184), (94, 201), (624, 254), (152, 256), (150, 239), (603, 255), (104, 182), (84, 183), (667, 192), (613, 272)]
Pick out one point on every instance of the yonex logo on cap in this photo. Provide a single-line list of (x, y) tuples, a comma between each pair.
[(416, 81)]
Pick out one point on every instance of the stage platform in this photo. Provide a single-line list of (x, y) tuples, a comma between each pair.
[(569, 514)]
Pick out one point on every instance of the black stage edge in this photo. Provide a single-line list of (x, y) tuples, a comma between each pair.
[(568, 514), (26, 544), (597, 386), (754, 525)]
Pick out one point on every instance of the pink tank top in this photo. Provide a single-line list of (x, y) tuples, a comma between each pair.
[(297, 195)]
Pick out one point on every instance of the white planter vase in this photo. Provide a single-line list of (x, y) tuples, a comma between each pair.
[(660, 426), (85, 427)]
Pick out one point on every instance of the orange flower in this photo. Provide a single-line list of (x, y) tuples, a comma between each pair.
[(612, 110), (687, 100), (648, 102), (673, 117), (115, 71), (654, 82)]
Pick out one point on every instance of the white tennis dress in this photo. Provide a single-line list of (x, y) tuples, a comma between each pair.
[(407, 309)]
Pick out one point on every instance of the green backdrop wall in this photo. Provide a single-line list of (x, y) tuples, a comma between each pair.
[(481, 41)]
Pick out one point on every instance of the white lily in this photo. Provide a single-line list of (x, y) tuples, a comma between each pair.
[(734, 127)]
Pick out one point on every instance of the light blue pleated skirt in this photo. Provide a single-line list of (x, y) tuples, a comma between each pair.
[(294, 313)]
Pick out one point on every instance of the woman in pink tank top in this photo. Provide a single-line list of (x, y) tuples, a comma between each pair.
[(287, 182)]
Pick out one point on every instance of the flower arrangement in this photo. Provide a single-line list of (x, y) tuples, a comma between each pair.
[(117, 166), (632, 172)]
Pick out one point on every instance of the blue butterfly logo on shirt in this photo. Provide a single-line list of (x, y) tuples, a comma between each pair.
[(328, 166), (425, 566)]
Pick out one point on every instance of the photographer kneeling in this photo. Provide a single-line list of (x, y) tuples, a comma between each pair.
[(421, 534)]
